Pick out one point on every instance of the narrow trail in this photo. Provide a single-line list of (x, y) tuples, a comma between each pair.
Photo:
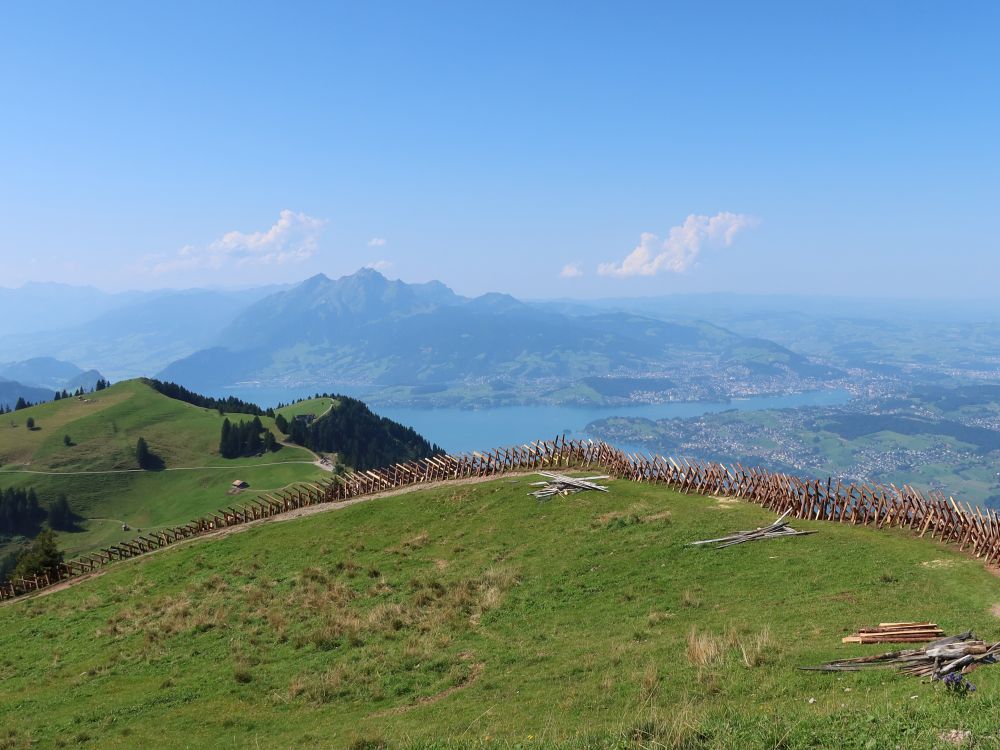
[(241, 467), (309, 510), (318, 462)]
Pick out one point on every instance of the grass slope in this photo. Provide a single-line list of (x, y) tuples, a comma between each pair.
[(104, 428), (315, 406), (470, 612)]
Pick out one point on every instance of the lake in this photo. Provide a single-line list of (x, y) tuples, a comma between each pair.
[(464, 430)]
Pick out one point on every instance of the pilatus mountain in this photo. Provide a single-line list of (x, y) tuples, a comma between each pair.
[(365, 329)]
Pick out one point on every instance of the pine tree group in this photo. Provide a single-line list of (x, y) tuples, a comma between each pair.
[(245, 439), (230, 404), (60, 516), (22, 515), (20, 512), (362, 439)]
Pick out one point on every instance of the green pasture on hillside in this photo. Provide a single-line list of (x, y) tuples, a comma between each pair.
[(315, 406), (103, 428), (472, 616)]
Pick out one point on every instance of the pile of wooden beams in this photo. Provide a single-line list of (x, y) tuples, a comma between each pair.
[(897, 632), (560, 484), (957, 654), (779, 528)]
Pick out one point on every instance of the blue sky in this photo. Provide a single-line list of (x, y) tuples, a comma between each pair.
[(825, 148)]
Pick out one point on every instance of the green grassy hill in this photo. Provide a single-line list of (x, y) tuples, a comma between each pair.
[(472, 613), (103, 428), (315, 406)]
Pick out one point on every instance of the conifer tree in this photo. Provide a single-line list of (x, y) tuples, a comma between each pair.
[(227, 428), (60, 516), (270, 444)]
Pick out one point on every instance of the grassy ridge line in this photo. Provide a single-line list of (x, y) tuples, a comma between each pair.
[(315, 406), (781, 493), (473, 617)]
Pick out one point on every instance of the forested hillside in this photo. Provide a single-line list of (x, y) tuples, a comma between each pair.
[(360, 437)]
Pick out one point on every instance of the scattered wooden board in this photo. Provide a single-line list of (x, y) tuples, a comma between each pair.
[(560, 484), (777, 529), (957, 654), (897, 632)]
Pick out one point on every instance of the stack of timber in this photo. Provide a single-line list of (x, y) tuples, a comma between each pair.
[(897, 632), (777, 529), (560, 484), (957, 654)]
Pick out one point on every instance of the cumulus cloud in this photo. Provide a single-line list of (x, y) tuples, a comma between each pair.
[(294, 237), (377, 242), (682, 247), (380, 265), (570, 271)]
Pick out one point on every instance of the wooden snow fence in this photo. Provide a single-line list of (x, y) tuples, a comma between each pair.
[(880, 506)]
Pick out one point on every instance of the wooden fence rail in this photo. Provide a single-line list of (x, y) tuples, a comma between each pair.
[(875, 505)]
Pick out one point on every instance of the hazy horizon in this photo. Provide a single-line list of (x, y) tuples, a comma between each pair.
[(990, 301), (603, 152)]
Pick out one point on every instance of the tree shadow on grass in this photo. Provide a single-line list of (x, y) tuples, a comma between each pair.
[(153, 463)]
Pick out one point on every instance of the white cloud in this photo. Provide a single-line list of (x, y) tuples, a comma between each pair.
[(377, 242), (293, 238), (380, 265), (570, 271), (682, 247)]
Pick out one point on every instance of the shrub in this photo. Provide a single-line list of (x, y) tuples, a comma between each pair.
[(242, 676), (43, 556)]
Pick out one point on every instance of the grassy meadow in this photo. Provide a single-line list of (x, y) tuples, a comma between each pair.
[(315, 406), (472, 616), (98, 470)]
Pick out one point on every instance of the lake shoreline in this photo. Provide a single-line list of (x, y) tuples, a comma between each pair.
[(462, 430)]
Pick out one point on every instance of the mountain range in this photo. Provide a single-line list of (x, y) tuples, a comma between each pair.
[(123, 335), (366, 331), (38, 379), (51, 373)]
